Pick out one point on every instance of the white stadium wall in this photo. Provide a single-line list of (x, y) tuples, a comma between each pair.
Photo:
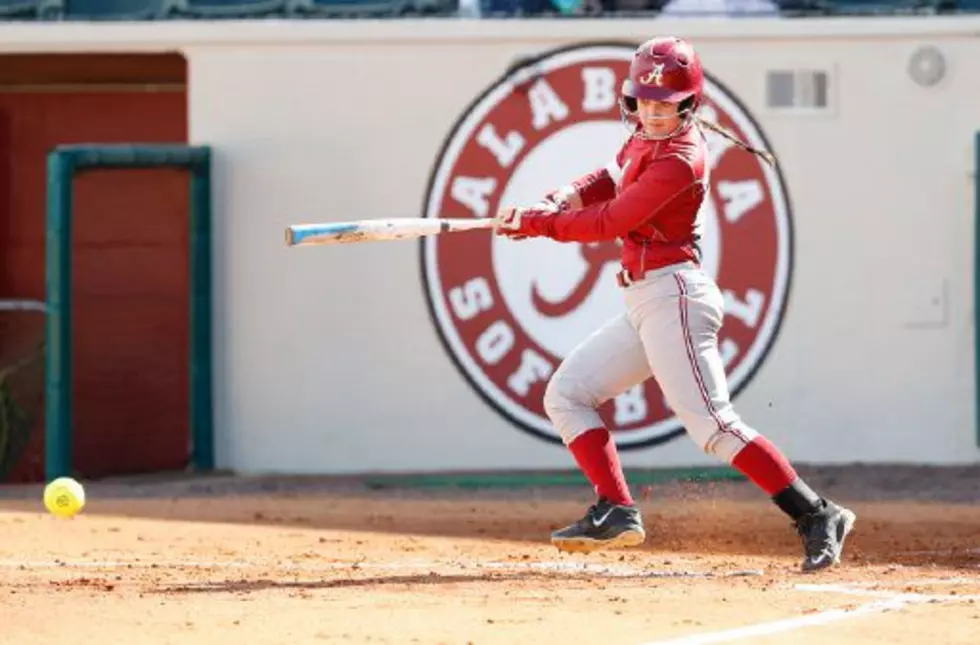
[(849, 271)]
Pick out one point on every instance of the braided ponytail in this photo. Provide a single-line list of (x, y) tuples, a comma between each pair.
[(723, 131)]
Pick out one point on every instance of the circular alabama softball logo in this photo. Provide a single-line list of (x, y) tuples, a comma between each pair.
[(510, 311)]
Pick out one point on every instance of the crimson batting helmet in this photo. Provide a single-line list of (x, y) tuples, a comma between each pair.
[(664, 69)]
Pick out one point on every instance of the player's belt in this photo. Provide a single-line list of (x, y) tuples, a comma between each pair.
[(625, 277)]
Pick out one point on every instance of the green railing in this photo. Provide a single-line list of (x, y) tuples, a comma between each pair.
[(64, 164), (976, 283)]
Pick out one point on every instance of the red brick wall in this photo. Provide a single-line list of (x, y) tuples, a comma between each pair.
[(130, 264)]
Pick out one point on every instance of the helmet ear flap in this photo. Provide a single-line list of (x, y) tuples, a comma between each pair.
[(687, 106), (627, 102), (627, 105), (627, 97)]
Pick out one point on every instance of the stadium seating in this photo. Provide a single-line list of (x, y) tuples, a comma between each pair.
[(369, 8), (214, 9), (100, 9), (19, 9), (503, 8), (57, 10)]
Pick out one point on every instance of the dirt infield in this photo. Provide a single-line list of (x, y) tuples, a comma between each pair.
[(296, 561)]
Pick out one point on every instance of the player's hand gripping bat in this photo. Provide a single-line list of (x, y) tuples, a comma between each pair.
[(370, 230)]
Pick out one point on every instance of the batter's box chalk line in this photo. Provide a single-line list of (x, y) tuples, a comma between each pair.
[(884, 601), (909, 597), (924, 582)]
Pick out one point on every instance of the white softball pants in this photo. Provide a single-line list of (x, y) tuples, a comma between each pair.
[(669, 331)]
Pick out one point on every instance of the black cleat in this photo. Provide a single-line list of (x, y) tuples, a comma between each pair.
[(823, 533), (605, 525)]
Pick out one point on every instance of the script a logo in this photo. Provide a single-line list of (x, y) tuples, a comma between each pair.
[(509, 312), (655, 76)]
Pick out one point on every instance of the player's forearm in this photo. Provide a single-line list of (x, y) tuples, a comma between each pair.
[(597, 223), (634, 206), (637, 205), (594, 188)]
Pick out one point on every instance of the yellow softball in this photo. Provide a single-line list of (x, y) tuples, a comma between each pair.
[(64, 497)]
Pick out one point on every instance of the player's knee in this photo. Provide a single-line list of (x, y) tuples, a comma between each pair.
[(569, 405), (567, 392)]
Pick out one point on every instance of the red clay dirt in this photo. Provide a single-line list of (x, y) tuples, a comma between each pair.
[(158, 564)]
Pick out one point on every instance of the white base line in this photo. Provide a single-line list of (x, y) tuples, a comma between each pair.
[(788, 624), (888, 601), (889, 595)]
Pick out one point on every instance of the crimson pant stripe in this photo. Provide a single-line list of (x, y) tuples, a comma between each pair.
[(692, 355), (696, 367)]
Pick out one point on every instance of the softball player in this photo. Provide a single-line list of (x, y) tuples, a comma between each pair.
[(649, 197)]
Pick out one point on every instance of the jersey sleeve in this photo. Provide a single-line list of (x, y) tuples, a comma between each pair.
[(593, 188), (640, 203)]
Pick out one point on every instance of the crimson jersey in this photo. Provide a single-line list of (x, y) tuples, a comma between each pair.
[(649, 198)]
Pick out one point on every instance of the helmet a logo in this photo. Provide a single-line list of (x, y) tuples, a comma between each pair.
[(655, 76)]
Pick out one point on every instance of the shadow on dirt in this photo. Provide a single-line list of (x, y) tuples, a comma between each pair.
[(245, 586)]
